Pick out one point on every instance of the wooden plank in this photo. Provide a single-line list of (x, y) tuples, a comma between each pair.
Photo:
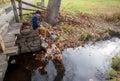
[(9, 38), (20, 9), (9, 44), (16, 25), (4, 29), (2, 46), (11, 51), (28, 9), (15, 10), (17, 31), (15, 28)]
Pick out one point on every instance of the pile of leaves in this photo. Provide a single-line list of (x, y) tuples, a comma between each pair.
[(75, 30)]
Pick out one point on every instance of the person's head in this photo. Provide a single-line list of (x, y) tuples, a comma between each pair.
[(37, 12)]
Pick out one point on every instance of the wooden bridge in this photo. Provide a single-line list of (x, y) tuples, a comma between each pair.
[(8, 35), (10, 26)]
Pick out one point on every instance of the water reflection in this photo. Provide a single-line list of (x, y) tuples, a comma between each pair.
[(84, 63), (89, 62)]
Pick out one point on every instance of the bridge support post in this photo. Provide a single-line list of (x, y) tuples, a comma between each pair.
[(20, 9), (2, 45), (15, 10)]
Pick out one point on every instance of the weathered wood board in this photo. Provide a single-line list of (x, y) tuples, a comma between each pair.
[(2, 46)]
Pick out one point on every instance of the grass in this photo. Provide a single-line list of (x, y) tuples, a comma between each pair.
[(68, 29), (89, 6), (114, 72), (116, 63), (4, 4)]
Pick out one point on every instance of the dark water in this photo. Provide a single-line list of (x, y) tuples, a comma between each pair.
[(19, 71)]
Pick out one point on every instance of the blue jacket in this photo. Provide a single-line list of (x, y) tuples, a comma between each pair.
[(35, 22)]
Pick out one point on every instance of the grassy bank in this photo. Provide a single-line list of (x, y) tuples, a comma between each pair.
[(89, 6), (114, 73)]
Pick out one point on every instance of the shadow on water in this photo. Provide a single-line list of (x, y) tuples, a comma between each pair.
[(23, 67), (17, 73), (20, 69)]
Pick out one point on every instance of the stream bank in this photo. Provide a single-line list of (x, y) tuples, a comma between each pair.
[(70, 34)]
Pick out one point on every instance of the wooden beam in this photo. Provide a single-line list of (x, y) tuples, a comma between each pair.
[(32, 5), (2, 45), (20, 9), (15, 10), (27, 9), (27, 14)]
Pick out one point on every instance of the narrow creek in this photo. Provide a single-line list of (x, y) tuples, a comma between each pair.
[(81, 64), (84, 63)]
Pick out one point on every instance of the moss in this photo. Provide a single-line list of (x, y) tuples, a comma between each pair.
[(111, 74), (114, 72), (116, 63)]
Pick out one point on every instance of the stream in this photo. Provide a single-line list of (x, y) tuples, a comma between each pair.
[(84, 63)]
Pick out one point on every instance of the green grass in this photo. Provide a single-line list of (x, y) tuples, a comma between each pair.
[(4, 4), (89, 6), (116, 63), (114, 71)]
